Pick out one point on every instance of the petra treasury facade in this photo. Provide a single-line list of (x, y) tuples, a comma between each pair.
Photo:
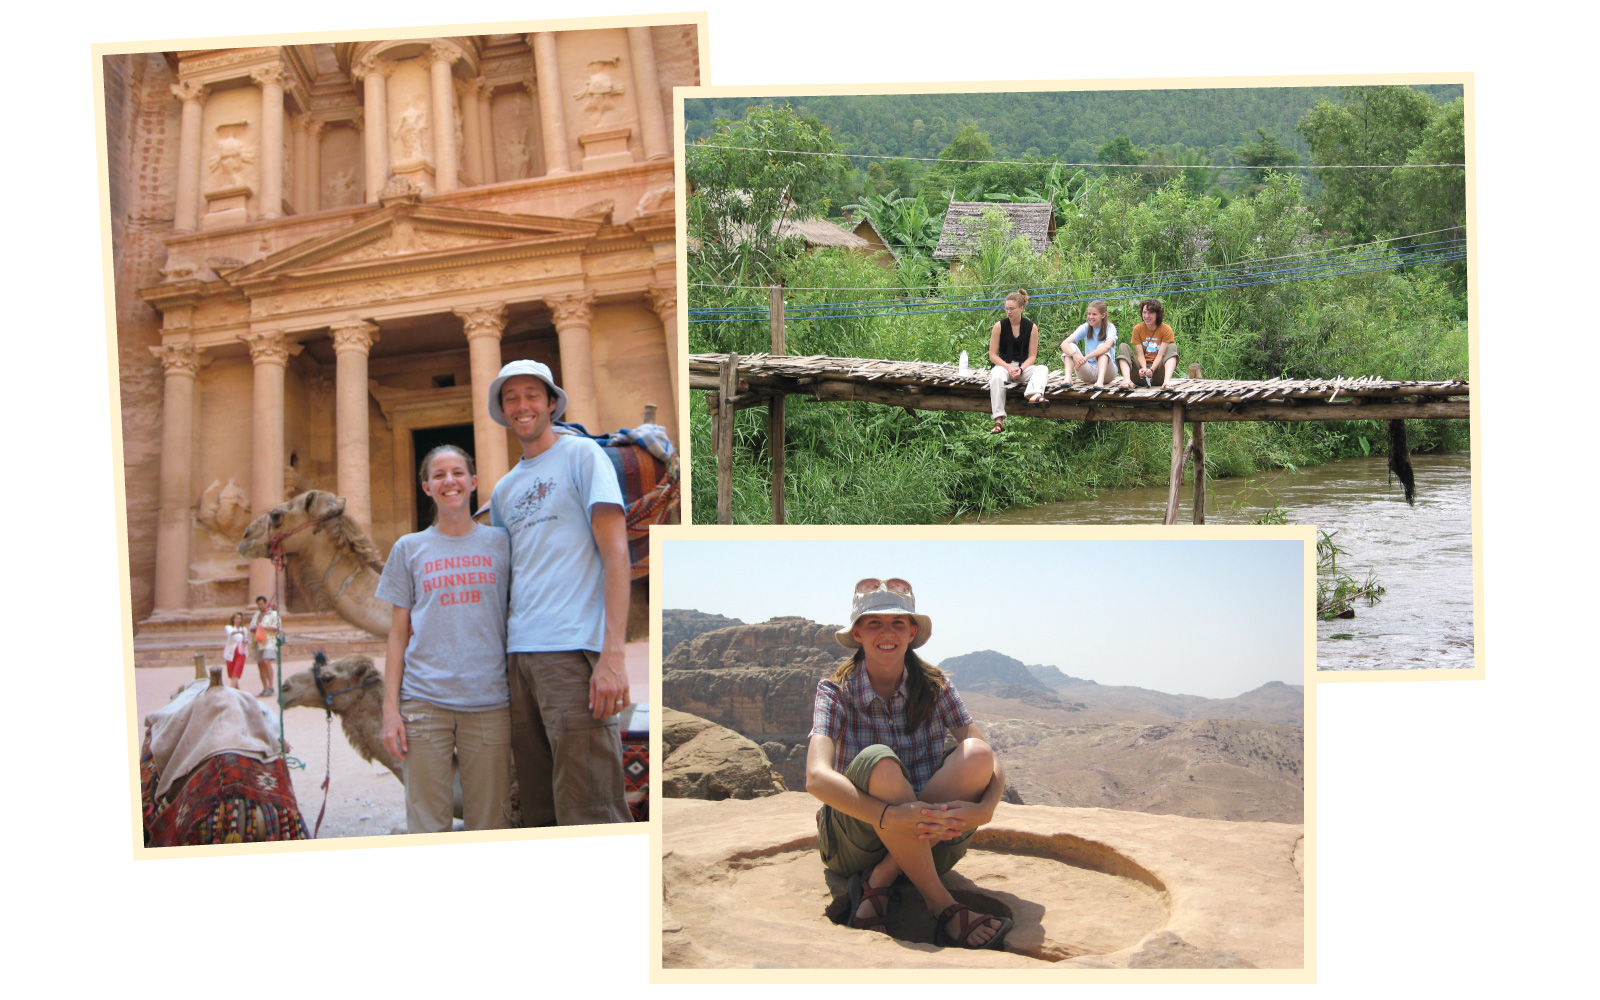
[(324, 252)]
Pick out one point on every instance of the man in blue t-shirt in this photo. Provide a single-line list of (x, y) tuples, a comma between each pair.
[(570, 576)]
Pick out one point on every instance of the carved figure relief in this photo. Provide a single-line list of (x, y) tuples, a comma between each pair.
[(600, 91), (343, 188), (224, 510), (517, 156), (656, 200), (411, 133), (231, 156)]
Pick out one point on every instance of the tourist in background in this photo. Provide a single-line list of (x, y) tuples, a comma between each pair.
[(894, 800), (445, 697), (1152, 353), (234, 646), (1013, 349), (1089, 352), (264, 625)]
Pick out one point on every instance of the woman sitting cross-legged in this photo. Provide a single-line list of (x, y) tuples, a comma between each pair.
[(894, 799)]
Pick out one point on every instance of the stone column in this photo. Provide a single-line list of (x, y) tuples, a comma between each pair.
[(353, 459), (446, 171), (180, 363), (484, 324), (270, 157), (314, 129), (547, 73), (485, 109), (373, 73), (186, 213), (573, 314), (664, 300), (269, 353), (471, 141), (647, 95), (297, 165)]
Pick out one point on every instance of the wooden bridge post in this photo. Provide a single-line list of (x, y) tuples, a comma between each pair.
[(1177, 465), (775, 408), (1199, 447), (728, 384)]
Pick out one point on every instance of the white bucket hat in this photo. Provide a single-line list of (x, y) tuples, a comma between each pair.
[(883, 601), (524, 367)]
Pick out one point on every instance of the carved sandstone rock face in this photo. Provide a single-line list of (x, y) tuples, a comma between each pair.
[(759, 680), (708, 761)]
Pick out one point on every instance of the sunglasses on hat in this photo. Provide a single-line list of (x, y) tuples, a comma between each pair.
[(893, 585)]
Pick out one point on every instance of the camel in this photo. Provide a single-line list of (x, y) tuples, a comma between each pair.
[(335, 563), (331, 558)]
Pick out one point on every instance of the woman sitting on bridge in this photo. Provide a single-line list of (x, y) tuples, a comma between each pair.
[(445, 692), (1013, 348), (893, 803), (1152, 352), (1093, 361)]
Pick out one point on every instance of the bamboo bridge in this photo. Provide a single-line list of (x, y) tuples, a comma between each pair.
[(736, 383)]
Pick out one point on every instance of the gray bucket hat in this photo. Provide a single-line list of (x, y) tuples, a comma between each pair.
[(525, 367), (884, 602)]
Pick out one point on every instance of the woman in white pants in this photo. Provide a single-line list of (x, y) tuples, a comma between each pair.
[(1013, 349)]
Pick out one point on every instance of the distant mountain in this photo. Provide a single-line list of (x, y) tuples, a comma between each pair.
[(987, 670), (678, 624), (1053, 678)]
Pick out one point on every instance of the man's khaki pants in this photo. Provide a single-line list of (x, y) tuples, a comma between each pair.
[(569, 764)]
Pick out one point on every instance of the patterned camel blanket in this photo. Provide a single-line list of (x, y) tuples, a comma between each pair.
[(228, 799)]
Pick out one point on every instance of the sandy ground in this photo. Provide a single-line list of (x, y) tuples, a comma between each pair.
[(363, 799)]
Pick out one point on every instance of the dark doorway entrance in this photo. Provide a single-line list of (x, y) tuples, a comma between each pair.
[(426, 439)]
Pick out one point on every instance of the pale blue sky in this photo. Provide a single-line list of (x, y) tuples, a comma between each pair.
[(1228, 614)]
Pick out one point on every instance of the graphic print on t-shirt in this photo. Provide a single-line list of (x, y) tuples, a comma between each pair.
[(474, 571), (524, 508)]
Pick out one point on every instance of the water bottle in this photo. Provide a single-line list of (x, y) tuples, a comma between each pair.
[(963, 365)]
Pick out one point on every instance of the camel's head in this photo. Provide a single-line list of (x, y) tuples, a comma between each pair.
[(345, 678), (312, 505)]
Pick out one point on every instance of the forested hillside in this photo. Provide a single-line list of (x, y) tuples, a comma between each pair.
[(1067, 126)]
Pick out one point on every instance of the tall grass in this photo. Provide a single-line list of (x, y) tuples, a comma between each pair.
[(860, 463)]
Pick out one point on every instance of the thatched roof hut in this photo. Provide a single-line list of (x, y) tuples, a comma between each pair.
[(1035, 220)]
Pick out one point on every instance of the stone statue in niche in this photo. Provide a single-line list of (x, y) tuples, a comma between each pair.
[(599, 93), (224, 510), (411, 132), (517, 155), (230, 157), (341, 188)]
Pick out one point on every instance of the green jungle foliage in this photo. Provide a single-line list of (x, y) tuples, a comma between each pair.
[(864, 463)]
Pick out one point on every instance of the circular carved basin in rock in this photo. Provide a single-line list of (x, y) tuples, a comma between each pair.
[(1069, 898)]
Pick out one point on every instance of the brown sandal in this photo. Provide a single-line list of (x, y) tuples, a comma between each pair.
[(861, 891), (999, 426), (969, 924)]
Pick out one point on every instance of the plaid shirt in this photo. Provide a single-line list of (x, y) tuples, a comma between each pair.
[(854, 717)]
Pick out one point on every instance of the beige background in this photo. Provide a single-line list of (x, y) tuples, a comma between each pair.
[(1429, 796)]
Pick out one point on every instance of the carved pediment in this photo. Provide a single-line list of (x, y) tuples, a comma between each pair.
[(414, 236)]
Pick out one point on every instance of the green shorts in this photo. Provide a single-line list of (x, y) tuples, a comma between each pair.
[(849, 845)]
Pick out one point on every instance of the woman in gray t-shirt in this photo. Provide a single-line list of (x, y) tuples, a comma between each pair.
[(445, 698)]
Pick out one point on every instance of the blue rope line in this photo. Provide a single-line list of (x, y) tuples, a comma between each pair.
[(1441, 257), (1044, 294)]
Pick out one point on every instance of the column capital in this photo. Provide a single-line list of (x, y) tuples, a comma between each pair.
[(530, 83), (353, 335), (358, 120), (472, 88), (485, 320), (662, 298), (177, 359), (270, 347), (309, 125), (274, 74), (442, 52), (188, 91), (371, 64), (576, 308)]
